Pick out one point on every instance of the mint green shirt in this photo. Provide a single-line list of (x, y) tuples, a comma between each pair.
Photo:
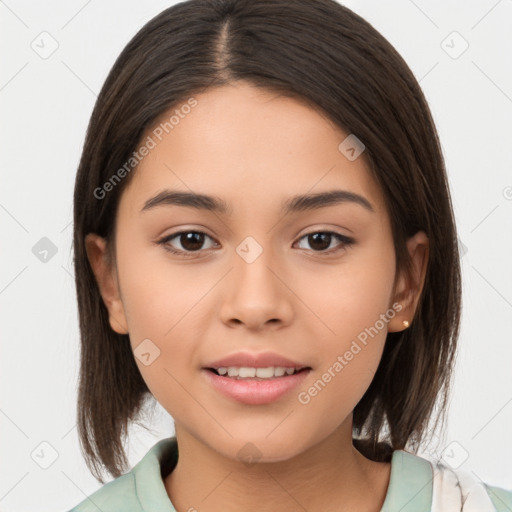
[(142, 489)]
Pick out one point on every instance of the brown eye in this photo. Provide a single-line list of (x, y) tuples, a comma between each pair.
[(320, 241), (190, 242)]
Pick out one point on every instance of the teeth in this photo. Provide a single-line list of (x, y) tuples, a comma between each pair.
[(280, 371), (262, 373)]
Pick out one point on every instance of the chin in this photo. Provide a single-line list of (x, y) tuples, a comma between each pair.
[(252, 450)]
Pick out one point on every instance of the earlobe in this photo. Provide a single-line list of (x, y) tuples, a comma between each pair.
[(410, 286), (106, 278)]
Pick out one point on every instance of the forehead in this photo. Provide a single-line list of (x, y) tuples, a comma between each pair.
[(250, 146)]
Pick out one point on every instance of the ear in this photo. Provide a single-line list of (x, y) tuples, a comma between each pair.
[(409, 286), (106, 277)]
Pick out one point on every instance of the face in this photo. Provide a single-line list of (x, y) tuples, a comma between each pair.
[(314, 285)]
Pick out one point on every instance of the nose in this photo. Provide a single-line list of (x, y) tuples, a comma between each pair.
[(256, 292)]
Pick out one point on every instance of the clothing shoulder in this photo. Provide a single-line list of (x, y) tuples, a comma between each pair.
[(119, 494), (140, 489), (501, 498), (461, 488), (419, 484)]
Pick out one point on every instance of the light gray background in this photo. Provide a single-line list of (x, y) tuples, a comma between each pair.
[(45, 107)]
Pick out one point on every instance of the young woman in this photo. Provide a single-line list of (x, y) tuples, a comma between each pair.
[(265, 244)]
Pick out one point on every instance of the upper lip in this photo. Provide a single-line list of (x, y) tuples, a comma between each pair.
[(261, 360)]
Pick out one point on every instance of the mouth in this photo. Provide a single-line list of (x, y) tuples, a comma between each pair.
[(255, 386), (257, 374)]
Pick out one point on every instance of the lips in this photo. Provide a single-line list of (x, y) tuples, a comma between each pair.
[(255, 360), (255, 391)]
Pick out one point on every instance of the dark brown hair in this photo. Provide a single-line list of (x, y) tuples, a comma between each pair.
[(329, 57)]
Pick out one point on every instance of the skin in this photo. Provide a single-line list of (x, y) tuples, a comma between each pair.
[(254, 148)]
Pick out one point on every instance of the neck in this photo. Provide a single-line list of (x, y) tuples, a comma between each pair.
[(331, 475)]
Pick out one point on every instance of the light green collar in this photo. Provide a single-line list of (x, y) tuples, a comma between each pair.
[(410, 484), (409, 489)]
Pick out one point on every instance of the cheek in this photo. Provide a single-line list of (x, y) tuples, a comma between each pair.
[(347, 363), (159, 295), (353, 305), (350, 297), (164, 307)]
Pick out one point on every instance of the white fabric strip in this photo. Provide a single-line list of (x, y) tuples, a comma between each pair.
[(456, 491)]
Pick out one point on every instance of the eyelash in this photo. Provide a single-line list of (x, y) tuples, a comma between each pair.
[(346, 242)]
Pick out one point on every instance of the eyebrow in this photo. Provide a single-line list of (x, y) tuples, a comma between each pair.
[(294, 204)]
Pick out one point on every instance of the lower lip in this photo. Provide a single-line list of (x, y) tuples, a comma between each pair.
[(256, 392)]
